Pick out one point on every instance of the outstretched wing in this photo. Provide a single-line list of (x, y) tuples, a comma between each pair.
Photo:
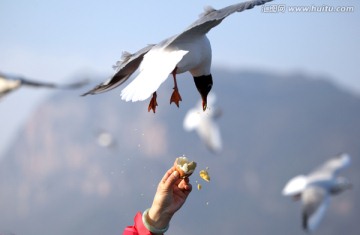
[(156, 66), (209, 132), (205, 127), (315, 201), (9, 83), (212, 17), (193, 117), (330, 168), (203, 123), (33, 83), (191, 120), (124, 69), (209, 19), (337, 163)]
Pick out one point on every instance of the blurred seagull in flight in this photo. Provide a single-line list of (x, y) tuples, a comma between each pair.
[(106, 139), (204, 124), (314, 190), (9, 83), (188, 51)]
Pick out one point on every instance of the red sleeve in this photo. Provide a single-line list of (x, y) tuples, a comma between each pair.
[(138, 228)]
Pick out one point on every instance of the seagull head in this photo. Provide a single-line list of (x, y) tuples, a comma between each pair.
[(204, 84)]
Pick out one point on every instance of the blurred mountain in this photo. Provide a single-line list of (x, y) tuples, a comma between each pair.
[(56, 179)]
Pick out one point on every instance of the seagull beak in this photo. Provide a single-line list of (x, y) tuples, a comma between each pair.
[(204, 102)]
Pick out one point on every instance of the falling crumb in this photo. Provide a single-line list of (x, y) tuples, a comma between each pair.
[(207, 203), (199, 186), (204, 174)]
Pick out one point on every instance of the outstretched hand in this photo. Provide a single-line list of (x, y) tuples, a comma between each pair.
[(171, 194)]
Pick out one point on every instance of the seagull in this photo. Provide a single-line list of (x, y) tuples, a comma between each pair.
[(315, 189), (106, 139), (204, 124), (189, 50), (9, 83)]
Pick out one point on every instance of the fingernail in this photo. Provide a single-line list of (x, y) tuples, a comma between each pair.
[(176, 174)]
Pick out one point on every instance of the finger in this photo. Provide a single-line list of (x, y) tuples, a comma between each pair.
[(188, 188), (170, 181), (167, 174), (187, 180), (185, 185)]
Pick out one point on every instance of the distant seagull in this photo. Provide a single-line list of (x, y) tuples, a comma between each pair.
[(188, 51), (204, 124), (315, 189), (106, 139), (9, 83)]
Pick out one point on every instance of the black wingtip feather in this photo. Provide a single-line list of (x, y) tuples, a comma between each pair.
[(305, 221)]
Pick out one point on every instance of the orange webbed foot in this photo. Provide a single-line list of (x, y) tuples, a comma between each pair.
[(153, 103), (175, 97)]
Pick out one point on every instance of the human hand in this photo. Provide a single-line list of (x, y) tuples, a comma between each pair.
[(170, 196)]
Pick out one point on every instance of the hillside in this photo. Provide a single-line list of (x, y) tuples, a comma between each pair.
[(55, 179)]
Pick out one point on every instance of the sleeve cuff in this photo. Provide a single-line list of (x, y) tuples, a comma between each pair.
[(150, 227)]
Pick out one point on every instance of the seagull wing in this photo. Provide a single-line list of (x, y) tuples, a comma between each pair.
[(156, 62), (315, 201), (156, 66), (331, 168), (211, 100), (204, 124), (9, 83), (336, 164), (209, 132), (33, 83), (212, 17), (192, 120), (205, 127), (124, 69)]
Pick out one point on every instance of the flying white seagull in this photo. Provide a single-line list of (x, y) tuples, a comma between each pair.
[(314, 190), (9, 83), (188, 51), (106, 139), (204, 124)]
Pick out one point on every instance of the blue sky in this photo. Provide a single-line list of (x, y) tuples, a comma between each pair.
[(60, 40)]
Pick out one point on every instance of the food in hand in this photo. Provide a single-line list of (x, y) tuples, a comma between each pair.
[(184, 166)]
